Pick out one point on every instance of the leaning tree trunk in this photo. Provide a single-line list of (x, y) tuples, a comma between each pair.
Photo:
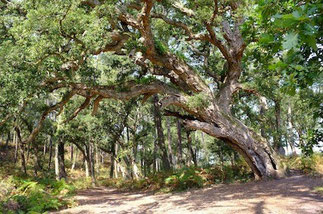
[(261, 158)]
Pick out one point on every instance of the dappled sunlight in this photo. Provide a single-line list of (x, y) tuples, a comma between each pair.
[(289, 195)]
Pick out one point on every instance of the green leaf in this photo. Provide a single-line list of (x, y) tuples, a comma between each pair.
[(266, 38), (290, 41), (311, 41), (299, 67), (296, 14), (277, 65)]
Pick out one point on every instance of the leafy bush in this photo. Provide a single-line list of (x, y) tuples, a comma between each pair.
[(183, 179), (32, 195), (312, 164)]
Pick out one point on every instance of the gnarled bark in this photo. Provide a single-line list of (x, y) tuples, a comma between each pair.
[(261, 158)]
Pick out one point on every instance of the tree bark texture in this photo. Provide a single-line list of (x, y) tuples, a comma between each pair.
[(160, 134)]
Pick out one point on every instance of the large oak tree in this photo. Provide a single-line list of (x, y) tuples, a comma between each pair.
[(189, 52)]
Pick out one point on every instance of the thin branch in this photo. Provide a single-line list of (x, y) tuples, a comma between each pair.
[(218, 43), (178, 24)]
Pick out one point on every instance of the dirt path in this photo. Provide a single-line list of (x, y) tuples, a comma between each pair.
[(291, 195)]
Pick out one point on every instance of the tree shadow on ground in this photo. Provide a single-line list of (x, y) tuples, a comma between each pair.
[(296, 187), (292, 193)]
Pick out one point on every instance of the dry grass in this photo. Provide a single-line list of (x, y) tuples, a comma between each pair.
[(309, 165)]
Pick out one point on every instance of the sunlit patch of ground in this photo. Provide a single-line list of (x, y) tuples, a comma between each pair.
[(290, 195)]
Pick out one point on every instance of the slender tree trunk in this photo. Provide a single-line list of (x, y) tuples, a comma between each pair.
[(155, 156), (277, 139), (15, 140), (190, 148), (290, 130), (112, 166), (97, 161), (169, 145), (7, 141), (263, 108), (59, 161), (45, 148), (92, 163), (22, 150), (113, 161), (37, 161), (72, 152), (61, 156), (28, 151), (179, 144), (74, 157), (56, 162), (102, 157), (160, 134), (50, 152), (86, 161)]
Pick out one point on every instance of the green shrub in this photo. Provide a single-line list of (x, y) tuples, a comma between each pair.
[(184, 179), (32, 195), (312, 164)]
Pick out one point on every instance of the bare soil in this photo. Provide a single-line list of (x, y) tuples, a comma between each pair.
[(289, 195)]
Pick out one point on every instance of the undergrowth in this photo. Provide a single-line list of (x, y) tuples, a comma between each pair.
[(183, 179), (32, 195), (312, 165)]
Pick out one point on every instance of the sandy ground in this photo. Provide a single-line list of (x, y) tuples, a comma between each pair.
[(290, 195)]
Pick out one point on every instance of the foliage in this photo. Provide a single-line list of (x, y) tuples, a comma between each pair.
[(314, 138), (183, 179), (312, 164), (32, 194), (198, 101), (44, 43)]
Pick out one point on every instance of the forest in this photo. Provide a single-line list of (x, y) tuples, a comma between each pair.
[(164, 97)]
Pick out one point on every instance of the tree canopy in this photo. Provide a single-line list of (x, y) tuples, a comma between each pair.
[(248, 73)]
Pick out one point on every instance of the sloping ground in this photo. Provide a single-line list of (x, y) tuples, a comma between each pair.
[(290, 195)]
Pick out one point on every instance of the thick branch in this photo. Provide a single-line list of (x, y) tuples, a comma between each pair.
[(178, 115), (60, 105), (118, 40), (208, 128), (96, 104), (130, 90)]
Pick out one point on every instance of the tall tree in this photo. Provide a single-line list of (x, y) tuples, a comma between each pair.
[(160, 134), (203, 54)]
